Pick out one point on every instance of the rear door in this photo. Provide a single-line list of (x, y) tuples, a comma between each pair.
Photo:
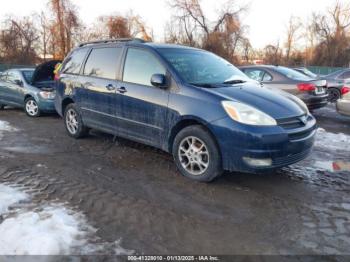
[(144, 106), (100, 101)]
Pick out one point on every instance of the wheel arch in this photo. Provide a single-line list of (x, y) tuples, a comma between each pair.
[(65, 102), (185, 122), (28, 96)]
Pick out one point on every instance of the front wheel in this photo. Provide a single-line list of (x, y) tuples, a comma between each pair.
[(31, 107), (196, 154), (73, 122)]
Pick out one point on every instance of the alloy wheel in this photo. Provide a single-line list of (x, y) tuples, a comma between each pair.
[(193, 155), (72, 121)]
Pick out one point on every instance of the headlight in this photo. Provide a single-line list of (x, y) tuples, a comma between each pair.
[(247, 115), (47, 95)]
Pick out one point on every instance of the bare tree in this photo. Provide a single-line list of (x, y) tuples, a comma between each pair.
[(273, 54), (294, 25), (64, 25), (119, 26), (221, 36), (18, 40), (331, 30)]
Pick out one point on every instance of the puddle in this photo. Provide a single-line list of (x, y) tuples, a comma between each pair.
[(29, 228)]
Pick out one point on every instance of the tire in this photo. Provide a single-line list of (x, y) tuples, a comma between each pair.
[(204, 165), (74, 123), (334, 95), (31, 107)]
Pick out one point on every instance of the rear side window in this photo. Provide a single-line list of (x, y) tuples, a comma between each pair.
[(103, 62), (139, 67), (13, 76), (254, 74), (73, 63), (292, 74)]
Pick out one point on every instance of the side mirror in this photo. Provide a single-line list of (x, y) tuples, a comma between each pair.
[(18, 82), (159, 80)]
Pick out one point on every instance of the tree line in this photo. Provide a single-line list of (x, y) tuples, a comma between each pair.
[(324, 39)]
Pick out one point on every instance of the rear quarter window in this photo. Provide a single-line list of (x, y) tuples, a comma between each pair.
[(74, 62), (292, 74), (103, 62)]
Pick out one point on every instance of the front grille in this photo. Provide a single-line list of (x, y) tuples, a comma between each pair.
[(295, 126), (292, 122)]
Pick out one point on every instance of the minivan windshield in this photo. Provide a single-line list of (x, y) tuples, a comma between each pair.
[(199, 67)]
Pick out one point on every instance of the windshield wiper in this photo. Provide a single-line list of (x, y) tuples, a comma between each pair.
[(207, 85), (234, 81)]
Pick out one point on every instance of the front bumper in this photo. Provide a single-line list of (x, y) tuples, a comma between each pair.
[(283, 146), (47, 105)]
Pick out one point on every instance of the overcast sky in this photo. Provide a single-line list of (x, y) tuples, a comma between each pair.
[(267, 19)]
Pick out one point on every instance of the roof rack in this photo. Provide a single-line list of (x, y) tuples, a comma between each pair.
[(137, 40)]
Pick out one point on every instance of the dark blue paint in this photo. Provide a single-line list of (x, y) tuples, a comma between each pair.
[(151, 114)]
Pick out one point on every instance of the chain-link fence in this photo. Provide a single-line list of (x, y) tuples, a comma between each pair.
[(323, 70)]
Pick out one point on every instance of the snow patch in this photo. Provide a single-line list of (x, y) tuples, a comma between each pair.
[(331, 141), (47, 229), (51, 231), (10, 196)]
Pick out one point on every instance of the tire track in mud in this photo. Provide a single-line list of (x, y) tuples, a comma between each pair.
[(124, 215)]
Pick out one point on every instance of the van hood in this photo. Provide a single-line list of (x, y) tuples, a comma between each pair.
[(277, 104), (44, 71)]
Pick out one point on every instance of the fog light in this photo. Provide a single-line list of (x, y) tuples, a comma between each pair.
[(256, 162)]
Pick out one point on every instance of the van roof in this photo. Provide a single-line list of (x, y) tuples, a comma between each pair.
[(135, 41)]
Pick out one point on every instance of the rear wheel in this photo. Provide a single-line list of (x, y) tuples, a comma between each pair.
[(73, 122), (196, 154), (31, 107), (333, 95)]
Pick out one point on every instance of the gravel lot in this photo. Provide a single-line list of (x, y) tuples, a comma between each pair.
[(132, 194)]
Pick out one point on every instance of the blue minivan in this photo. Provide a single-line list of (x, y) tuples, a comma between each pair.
[(185, 101)]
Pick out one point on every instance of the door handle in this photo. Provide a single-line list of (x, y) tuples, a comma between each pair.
[(122, 89), (110, 87)]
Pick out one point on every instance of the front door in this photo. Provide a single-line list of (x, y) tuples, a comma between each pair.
[(145, 107)]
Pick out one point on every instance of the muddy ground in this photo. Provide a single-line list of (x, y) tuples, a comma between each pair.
[(134, 193)]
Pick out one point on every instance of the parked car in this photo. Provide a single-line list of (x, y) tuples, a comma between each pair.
[(343, 104), (309, 90), (335, 83), (307, 72), (185, 101), (29, 88)]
